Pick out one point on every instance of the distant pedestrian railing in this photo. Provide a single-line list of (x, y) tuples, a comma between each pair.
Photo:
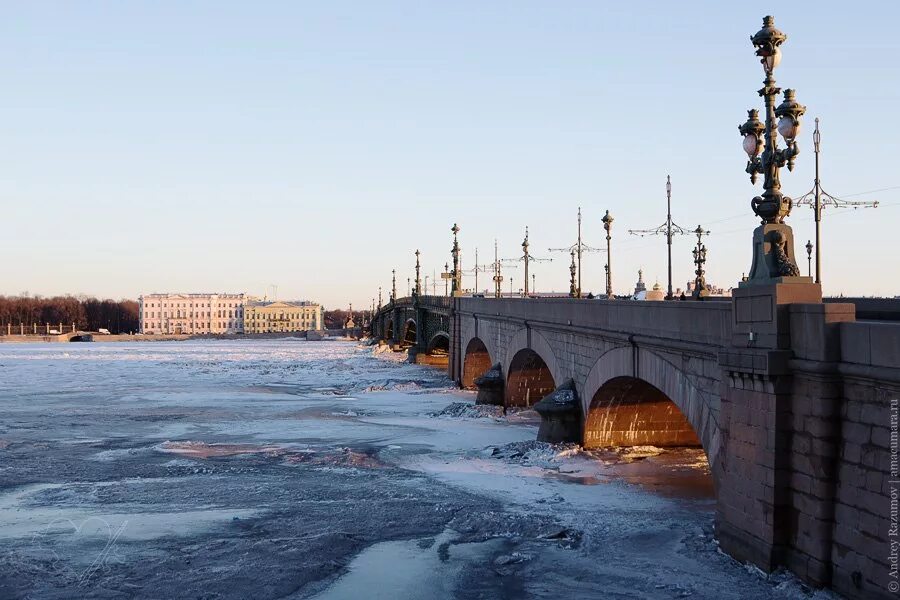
[(37, 329)]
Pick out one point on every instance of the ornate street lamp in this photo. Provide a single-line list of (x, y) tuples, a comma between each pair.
[(498, 276), (573, 289), (701, 290), (773, 241), (418, 289), (527, 258), (379, 297), (607, 225), (809, 249), (447, 278), (393, 285), (456, 274)]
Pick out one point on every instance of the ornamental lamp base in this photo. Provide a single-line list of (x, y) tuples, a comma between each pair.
[(773, 257)]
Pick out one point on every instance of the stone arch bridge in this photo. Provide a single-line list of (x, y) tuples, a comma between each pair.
[(791, 402)]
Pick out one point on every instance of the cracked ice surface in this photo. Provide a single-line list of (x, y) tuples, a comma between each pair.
[(287, 469)]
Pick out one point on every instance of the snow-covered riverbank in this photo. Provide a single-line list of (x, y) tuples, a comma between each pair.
[(288, 469)]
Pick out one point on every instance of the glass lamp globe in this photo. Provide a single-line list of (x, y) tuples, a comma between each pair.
[(751, 145), (788, 128), (772, 60)]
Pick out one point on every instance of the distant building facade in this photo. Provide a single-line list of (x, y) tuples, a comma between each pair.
[(282, 317), (192, 313), (714, 290)]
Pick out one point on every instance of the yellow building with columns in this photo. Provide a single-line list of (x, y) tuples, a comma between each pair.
[(282, 317)]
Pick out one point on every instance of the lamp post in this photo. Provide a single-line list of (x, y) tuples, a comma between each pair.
[(527, 258), (607, 225), (456, 274), (533, 285), (701, 290), (809, 249), (773, 241), (379, 297), (573, 290), (498, 278), (418, 289), (393, 285), (447, 278), (407, 286)]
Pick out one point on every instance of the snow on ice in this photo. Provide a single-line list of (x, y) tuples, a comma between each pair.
[(290, 469)]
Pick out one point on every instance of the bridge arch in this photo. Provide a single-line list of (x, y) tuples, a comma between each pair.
[(476, 362), (439, 343), (530, 368), (636, 386), (409, 332), (627, 411), (529, 338), (528, 379)]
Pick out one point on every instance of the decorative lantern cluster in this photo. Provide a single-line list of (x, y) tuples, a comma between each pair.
[(761, 140)]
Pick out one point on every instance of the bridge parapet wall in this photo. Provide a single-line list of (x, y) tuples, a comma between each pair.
[(575, 334)]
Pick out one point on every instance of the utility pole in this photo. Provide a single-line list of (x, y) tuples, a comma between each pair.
[(669, 229), (498, 276), (578, 248), (818, 199), (478, 268)]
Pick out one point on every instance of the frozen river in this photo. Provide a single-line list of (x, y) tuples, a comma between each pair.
[(288, 469)]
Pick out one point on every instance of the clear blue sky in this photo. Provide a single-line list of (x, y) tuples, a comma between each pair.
[(226, 146)]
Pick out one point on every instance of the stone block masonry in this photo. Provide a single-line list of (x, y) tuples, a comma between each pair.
[(794, 402)]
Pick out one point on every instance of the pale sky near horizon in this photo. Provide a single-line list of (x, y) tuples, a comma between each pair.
[(227, 146)]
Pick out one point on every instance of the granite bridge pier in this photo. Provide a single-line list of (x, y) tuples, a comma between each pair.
[(793, 400)]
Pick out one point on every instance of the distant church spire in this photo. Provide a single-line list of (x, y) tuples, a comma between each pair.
[(640, 286)]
